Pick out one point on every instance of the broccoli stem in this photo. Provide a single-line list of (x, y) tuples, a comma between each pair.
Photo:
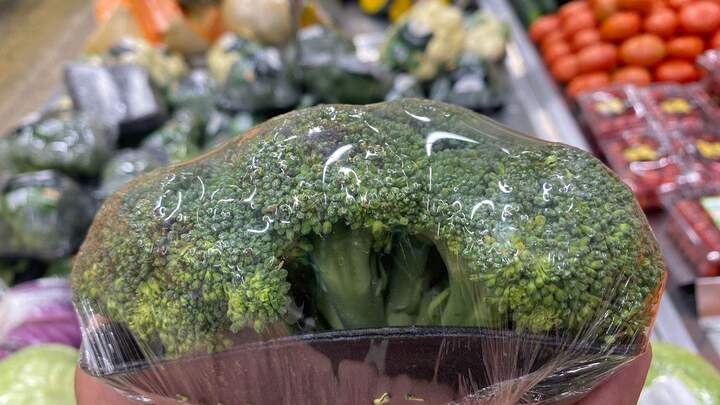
[(350, 279), (464, 306), (409, 279)]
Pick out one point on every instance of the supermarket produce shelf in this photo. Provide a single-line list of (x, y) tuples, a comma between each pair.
[(531, 84), (550, 118)]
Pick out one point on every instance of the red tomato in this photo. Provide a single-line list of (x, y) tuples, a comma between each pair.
[(662, 22), (597, 57), (573, 7), (676, 70), (659, 5), (585, 37), (678, 4), (715, 41), (587, 81), (685, 47), (555, 51), (577, 22), (636, 75), (603, 8), (565, 68), (643, 50), (620, 26), (543, 26), (551, 39), (641, 6), (700, 17)]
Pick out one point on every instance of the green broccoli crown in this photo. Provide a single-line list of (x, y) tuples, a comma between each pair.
[(536, 237)]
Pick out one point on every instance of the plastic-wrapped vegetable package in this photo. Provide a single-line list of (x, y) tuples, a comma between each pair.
[(43, 215), (253, 77), (126, 165), (330, 69), (178, 139), (37, 312), (404, 251), (74, 144)]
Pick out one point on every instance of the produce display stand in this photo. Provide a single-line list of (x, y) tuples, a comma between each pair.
[(550, 118)]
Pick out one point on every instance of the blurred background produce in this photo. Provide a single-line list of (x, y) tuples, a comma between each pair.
[(589, 43)]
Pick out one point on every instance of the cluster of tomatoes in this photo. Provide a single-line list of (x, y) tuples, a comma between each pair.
[(590, 43)]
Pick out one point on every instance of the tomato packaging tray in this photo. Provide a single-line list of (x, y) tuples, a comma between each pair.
[(710, 62), (702, 150), (611, 110), (675, 107), (695, 225), (646, 161), (707, 95)]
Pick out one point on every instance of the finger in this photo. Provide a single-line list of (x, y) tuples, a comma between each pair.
[(624, 387)]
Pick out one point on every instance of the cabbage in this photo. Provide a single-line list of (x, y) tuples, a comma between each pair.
[(679, 377), (37, 312), (39, 375)]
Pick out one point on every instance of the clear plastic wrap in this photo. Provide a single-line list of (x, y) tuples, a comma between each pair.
[(675, 106), (648, 160), (695, 225), (253, 77), (330, 69), (179, 139), (611, 110), (126, 165), (43, 215), (392, 253), (72, 143)]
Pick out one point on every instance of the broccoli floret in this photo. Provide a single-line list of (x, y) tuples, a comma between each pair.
[(402, 213)]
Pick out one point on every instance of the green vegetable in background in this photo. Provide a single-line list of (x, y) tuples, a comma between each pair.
[(130, 163), (253, 77), (178, 139), (676, 373), (403, 213), (330, 69), (73, 144), (42, 215), (39, 375)]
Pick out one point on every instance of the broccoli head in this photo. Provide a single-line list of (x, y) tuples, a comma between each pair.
[(403, 213)]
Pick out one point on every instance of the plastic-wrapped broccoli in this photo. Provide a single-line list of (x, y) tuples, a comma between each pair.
[(196, 92), (72, 143), (222, 126), (42, 215), (179, 139), (126, 165), (424, 241), (329, 68), (474, 84), (253, 77), (404, 86)]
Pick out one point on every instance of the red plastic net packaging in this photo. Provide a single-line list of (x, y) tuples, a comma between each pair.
[(391, 253)]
